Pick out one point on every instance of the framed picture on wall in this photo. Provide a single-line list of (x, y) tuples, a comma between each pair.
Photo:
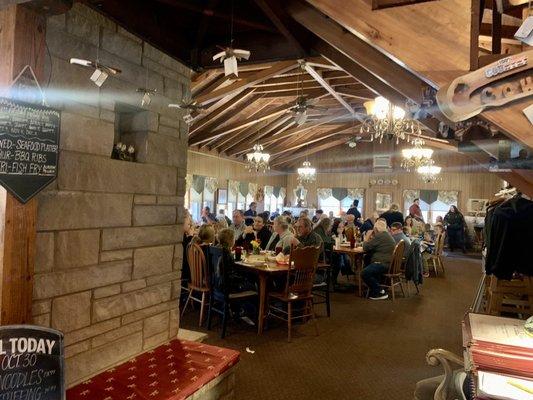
[(383, 201), (222, 196)]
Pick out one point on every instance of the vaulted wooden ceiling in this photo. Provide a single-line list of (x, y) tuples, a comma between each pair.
[(404, 52)]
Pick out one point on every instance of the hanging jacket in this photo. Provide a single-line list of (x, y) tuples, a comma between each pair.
[(414, 263), (511, 239)]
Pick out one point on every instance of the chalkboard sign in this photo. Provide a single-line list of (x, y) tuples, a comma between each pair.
[(29, 147), (31, 363)]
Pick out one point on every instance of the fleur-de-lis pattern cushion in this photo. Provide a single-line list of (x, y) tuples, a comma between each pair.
[(172, 371)]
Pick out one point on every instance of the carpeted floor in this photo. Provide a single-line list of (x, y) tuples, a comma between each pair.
[(366, 350)]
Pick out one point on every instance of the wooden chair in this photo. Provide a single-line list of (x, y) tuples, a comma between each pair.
[(513, 296), (199, 278), (436, 257), (393, 277), (321, 287), (303, 263), (220, 298)]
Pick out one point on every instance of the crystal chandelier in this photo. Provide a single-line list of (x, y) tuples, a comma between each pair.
[(416, 156), (386, 120), (257, 161), (429, 173), (306, 174)]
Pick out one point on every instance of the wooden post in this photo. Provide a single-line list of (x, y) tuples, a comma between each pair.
[(22, 42)]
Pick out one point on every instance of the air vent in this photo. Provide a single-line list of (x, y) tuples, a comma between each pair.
[(382, 162)]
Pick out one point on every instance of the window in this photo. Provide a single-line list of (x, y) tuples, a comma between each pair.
[(336, 206), (195, 204), (430, 212), (271, 203)]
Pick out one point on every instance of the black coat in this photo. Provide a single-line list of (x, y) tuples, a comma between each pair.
[(392, 216), (511, 238)]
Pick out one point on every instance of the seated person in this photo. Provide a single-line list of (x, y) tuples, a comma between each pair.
[(236, 281), (323, 229), (396, 231), (306, 236), (379, 244), (258, 231), (206, 235), (368, 224), (408, 226), (238, 227), (350, 229), (281, 237)]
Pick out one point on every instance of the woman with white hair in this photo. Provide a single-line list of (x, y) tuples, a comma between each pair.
[(379, 245)]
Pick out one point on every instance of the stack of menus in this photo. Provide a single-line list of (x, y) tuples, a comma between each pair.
[(499, 353)]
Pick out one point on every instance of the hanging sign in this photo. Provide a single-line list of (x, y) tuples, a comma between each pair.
[(494, 85), (29, 147), (31, 363)]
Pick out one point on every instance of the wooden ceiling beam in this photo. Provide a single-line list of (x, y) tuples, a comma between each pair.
[(305, 140), (290, 124), (198, 81), (257, 134), (209, 135), (259, 76), (288, 88), (311, 71), (291, 158), (307, 92), (200, 115), (367, 56), (240, 102)]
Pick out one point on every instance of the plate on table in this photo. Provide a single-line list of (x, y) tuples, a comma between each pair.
[(345, 244)]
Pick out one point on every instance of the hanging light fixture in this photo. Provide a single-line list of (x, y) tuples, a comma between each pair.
[(257, 160), (416, 156), (306, 173), (429, 173), (386, 120)]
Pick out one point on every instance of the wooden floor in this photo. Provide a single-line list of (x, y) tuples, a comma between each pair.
[(366, 350)]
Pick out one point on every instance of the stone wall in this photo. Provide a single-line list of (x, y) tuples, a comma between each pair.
[(109, 235)]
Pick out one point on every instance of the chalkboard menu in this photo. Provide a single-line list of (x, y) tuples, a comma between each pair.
[(31, 363), (29, 147)]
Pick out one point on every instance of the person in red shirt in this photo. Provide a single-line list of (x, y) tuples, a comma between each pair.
[(415, 211)]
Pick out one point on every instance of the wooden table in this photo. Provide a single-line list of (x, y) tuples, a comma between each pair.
[(263, 272), (357, 261)]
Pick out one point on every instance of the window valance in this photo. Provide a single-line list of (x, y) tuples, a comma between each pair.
[(448, 197), (200, 182), (340, 193)]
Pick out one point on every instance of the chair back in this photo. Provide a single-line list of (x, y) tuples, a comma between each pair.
[(303, 262), (218, 270), (198, 267), (439, 246), (397, 256)]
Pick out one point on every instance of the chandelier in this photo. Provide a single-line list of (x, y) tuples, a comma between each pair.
[(416, 156), (257, 161), (429, 173), (386, 120), (306, 174)]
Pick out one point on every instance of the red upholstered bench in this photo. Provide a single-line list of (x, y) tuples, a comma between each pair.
[(172, 371)]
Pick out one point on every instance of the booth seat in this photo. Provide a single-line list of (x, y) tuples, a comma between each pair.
[(177, 370)]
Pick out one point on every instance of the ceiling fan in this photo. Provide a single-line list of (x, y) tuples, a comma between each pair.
[(229, 57), (299, 110), (101, 71), (190, 106)]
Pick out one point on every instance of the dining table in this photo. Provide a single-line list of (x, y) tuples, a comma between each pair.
[(265, 268), (356, 258)]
